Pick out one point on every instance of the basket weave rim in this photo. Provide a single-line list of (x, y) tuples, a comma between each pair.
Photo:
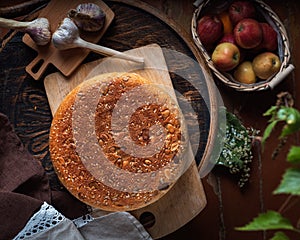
[(226, 78)]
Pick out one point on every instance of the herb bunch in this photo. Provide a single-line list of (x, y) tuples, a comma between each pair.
[(236, 153)]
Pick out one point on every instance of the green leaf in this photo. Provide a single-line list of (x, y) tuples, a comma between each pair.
[(288, 129), (290, 183), (268, 131), (234, 121), (280, 236), (294, 155), (292, 122), (294, 117), (270, 220), (282, 113), (271, 111)]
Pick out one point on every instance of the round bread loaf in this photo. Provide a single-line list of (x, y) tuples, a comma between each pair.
[(117, 141)]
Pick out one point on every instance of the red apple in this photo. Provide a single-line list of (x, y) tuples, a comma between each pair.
[(269, 40), (209, 30), (239, 10), (226, 56), (228, 37), (248, 33)]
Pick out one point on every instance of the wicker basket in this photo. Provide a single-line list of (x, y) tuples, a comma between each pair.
[(283, 47)]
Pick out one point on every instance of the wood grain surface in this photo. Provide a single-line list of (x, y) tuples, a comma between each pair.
[(228, 206), (36, 107), (24, 101)]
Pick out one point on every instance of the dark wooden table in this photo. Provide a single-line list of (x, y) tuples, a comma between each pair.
[(227, 205)]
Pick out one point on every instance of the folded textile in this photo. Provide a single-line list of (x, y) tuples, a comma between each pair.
[(115, 226), (15, 210), (48, 223), (19, 171), (24, 185), (30, 209)]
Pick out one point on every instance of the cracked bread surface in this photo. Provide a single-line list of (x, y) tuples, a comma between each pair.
[(105, 146)]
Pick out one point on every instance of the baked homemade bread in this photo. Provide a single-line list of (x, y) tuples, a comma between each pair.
[(117, 142)]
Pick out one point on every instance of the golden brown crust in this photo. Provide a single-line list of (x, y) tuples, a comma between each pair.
[(81, 177)]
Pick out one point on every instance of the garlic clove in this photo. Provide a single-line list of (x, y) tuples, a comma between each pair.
[(88, 17), (66, 34), (39, 31)]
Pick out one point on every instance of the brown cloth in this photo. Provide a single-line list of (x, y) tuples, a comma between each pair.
[(24, 185)]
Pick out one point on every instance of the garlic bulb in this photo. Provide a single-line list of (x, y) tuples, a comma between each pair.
[(88, 17), (66, 34), (67, 37), (38, 29)]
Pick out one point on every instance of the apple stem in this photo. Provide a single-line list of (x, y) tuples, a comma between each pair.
[(236, 56)]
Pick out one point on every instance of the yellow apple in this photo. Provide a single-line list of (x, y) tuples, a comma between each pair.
[(244, 73), (226, 56), (266, 64)]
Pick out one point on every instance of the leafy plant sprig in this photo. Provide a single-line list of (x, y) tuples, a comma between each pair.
[(289, 115), (236, 154), (290, 183)]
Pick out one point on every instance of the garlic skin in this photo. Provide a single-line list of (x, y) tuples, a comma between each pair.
[(88, 17), (65, 35), (39, 31)]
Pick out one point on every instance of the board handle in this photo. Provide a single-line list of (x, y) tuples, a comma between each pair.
[(37, 67), (281, 76)]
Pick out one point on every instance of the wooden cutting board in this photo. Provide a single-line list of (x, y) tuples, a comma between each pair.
[(65, 61), (186, 198)]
